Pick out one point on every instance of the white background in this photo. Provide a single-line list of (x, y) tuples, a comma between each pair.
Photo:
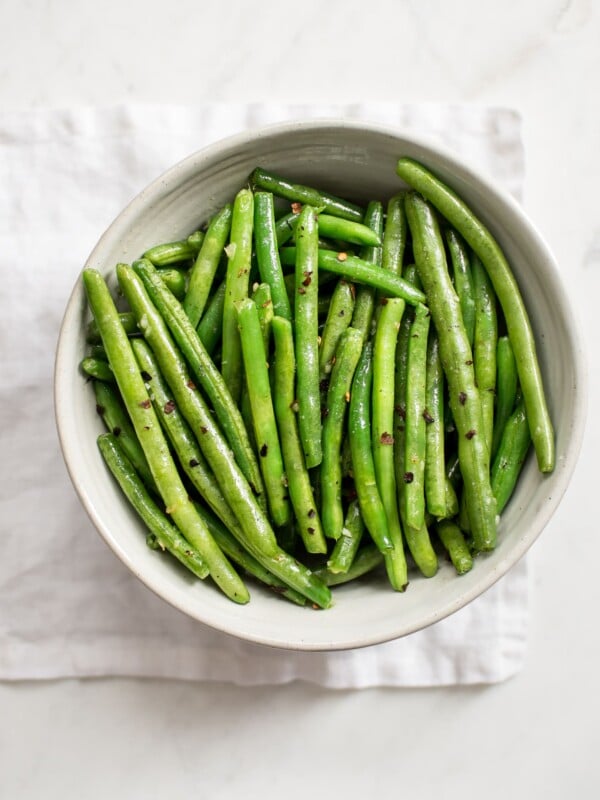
[(536, 735)]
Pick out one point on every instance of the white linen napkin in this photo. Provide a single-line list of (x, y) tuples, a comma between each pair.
[(68, 607)]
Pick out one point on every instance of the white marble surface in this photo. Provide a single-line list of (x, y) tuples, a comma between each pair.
[(536, 734)]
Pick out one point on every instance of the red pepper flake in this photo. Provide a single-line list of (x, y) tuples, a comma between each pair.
[(116, 431), (462, 398), (427, 417), (145, 403), (145, 376), (469, 362), (310, 530), (308, 280), (409, 477), (203, 429), (312, 513), (194, 462), (301, 290), (386, 438), (169, 407), (470, 434), (100, 409), (296, 208), (384, 301), (264, 450), (341, 313), (190, 384), (342, 256)]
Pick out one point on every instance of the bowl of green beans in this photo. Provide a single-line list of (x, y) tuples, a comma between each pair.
[(319, 385)]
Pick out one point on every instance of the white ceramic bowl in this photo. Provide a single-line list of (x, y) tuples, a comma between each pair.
[(351, 160)]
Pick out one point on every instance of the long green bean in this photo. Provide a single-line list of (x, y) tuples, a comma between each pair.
[(506, 389), (485, 246), (463, 280), (510, 457), (484, 345), (267, 254)]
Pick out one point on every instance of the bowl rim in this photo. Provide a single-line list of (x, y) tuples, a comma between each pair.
[(184, 169)]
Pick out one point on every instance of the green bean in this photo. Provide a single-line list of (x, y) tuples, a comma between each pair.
[(306, 330), (204, 372), (386, 336), (371, 505), (415, 434), (174, 280), (238, 273), (167, 535), (356, 270), (452, 507), (210, 327), (366, 560), (196, 468), (394, 235), (232, 482), (97, 369), (453, 540), (347, 356), (364, 305), (339, 316), (114, 416), (156, 450), (506, 389), (262, 298), (298, 479), (263, 414), (346, 547), (98, 352), (510, 457), (509, 297), (205, 266), (463, 280), (295, 192), (344, 230), (163, 255), (435, 473), (484, 346), (457, 360), (267, 254), (285, 227), (127, 319)]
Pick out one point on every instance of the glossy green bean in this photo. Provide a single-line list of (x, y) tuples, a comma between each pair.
[(506, 389), (347, 356), (394, 235), (267, 253), (511, 456), (356, 270), (299, 193), (128, 322), (263, 414), (163, 255), (238, 273), (167, 535), (343, 230), (298, 479), (484, 345), (509, 296), (386, 336), (364, 304), (457, 358), (454, 542), (285, 227), (306, 331), (210, 327), (371, 505), (463, 280), (339, 316), (97, 368), (366, 560), (174, 280), (262, 299), (346, 547), (206, 264), (435, 473)]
